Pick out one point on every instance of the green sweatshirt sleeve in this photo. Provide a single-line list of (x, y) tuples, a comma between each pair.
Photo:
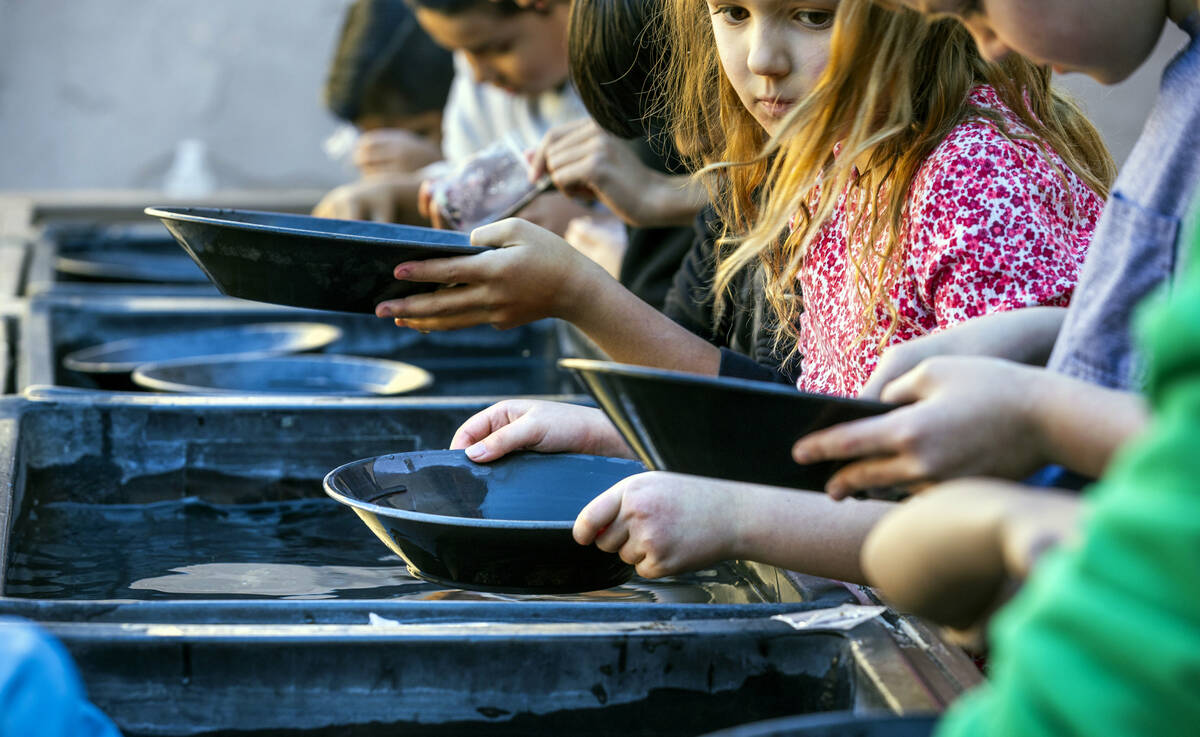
[(1105, 637)]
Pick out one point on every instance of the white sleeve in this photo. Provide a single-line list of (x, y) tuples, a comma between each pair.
[(465, 127)]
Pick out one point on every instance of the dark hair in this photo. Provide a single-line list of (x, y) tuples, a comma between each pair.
[(454, 7), (613, 53), (385, 65)]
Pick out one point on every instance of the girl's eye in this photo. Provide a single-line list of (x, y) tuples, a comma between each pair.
[(815, 19), (733, 13)]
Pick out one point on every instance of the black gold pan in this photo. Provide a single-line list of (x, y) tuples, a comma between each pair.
[(719, 427), (302, 261)]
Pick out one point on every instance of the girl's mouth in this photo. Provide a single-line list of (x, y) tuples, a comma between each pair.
[(776, 107)]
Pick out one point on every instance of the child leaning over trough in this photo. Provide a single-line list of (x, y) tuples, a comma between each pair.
[(959, 197), (390, 81), (989, 416), (510, 81)]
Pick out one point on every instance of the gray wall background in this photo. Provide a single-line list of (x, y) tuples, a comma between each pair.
[(98, 93)]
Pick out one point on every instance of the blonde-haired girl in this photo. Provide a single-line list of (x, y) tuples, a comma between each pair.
[(959, 188)]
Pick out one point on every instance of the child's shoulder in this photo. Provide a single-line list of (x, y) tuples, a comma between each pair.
[(982, 148), (979, 137)]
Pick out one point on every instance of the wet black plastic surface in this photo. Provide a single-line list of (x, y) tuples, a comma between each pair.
[(724, 428), (302, 261)]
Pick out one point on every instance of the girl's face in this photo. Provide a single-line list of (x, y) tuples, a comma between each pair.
[(524, 53), (1105, 39), (772, 51)]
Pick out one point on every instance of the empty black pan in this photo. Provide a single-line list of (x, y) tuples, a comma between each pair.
[(110, 364), (503, 526), (320, 263), (719, 427)]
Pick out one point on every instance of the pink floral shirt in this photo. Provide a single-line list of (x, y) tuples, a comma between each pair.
[(991, 226)]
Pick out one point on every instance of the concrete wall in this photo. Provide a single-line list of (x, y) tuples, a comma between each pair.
[(98, 93)]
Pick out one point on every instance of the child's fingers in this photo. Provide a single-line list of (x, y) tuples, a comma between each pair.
[(518, 435), (846, 441), (507, 232), (456, 270), (479, 425), (450, 322), (911, 386), (872, 473), (597, 515), (615, 539), (442, 303)]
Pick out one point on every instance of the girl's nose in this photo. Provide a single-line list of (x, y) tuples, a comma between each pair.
[(769, 55)]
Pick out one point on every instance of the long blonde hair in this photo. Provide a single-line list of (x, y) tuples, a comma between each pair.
[(896, 84)]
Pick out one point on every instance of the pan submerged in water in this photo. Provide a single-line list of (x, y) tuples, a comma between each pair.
[(503, 526)]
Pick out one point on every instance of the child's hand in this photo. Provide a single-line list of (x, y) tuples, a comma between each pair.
[(530, 275), (584, 160), (546, 427), (967, 417), (950, 553), (426, 206), (663, 523), (973, 416)]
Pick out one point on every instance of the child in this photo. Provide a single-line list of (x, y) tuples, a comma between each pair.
[(510, 81), (389, 80), (985, 416)]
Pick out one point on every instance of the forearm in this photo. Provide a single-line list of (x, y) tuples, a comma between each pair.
[(631, 331), (806, 531), (1025, 336), (1081, 425)]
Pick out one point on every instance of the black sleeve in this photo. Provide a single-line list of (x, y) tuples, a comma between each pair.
[(651, 260), (654, 254), (689, 302)]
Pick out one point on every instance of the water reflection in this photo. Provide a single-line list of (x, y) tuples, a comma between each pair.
[(302, 549)]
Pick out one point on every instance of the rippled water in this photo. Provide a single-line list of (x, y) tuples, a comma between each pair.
[(299, 549)]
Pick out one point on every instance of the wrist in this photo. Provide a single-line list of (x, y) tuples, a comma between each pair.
[(582, 292)]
